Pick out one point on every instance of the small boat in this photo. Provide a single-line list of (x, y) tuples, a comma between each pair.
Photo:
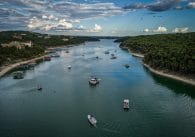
[(39, 87), (67, 51), (93, 81), (97, 57), (126, 65), (112, 54), (126, 103), (113, 57), (47, 58), (69, 66), (55, 55), (92, 120), (106, 52), (18, 75)]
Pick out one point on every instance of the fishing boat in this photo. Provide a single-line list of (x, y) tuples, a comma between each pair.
[(126, 65), (126, 103), (93, 81), (39, 87), (69, 66), (92, 120), (18, 75)]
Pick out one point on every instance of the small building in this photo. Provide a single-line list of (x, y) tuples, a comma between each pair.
[(17, 36), (29, 43), (18, 45), (65, 39)]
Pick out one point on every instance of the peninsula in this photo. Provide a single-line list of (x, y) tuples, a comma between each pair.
[(170, 55)]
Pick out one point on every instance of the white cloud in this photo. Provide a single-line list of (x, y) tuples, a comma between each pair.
[(44, 17), (191, 5), (75, 21), (180, 30), (65, 24), (81, 27), (97, 28), (115, 31), (146, 30), (45, 24), (50, 17), (160, 29), (87, 10), (45, 10)]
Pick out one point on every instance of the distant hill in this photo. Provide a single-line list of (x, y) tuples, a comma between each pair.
[(10, 53), (42, 39), (171, 52)]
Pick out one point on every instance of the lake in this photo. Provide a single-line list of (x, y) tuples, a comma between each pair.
[(159, 107)]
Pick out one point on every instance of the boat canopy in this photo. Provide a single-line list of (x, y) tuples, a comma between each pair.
[(126, 100)]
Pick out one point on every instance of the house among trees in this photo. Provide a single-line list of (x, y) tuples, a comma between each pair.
[(18, 45), (17, 36)]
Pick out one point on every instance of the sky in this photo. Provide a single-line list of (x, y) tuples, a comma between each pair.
[(98, 17)]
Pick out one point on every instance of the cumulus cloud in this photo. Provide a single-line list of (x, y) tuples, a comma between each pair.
[(135, 6), (160, 29), (45, 24), (191, 5), (97, 28), (146, 30), (181, 30), (48, 12)]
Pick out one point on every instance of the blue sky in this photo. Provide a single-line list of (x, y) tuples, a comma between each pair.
[(98, 17)]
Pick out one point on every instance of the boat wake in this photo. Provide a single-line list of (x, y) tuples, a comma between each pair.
[(110, 130)]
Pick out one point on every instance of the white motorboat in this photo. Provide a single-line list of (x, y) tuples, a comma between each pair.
[(18, 75), (126, 103), (69, 66), (55, 55), (93, 81), (92, 120)]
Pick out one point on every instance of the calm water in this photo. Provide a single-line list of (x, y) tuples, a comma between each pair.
[(159, 107)]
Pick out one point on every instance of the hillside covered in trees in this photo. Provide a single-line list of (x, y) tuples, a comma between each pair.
[(9, 54), (171, 52)]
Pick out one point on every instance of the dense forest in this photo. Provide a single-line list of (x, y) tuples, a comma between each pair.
[(171, 52), (40, 42)]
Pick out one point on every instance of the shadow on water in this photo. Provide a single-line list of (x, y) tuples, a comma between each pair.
[(174, 85)]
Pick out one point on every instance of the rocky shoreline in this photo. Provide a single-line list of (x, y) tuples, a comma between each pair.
[(10, 67)]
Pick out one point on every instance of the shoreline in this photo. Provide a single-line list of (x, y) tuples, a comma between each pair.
[(171, 76), (4, 70), (162, 73), (10, 67), (136, 54)]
